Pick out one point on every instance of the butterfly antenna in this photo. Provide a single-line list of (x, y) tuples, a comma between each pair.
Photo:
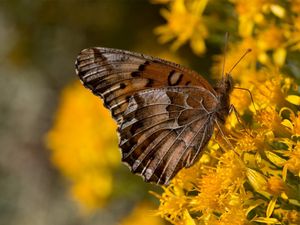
[(248, 50), (225, 51)]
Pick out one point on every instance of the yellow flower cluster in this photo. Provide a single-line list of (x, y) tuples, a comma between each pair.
[(80, 149), (184, 23), (251, 175)]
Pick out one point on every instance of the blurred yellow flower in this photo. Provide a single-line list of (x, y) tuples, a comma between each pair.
[(245, 72), (184, 23), (253, 13), (143, 213), (80, 149), (291, 217), (295, 36), (295, 6), (272, 39)]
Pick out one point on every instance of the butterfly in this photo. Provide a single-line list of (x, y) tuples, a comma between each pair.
[(166, 113)]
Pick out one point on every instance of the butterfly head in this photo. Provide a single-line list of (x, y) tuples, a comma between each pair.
[(225, 86), (228, 83)]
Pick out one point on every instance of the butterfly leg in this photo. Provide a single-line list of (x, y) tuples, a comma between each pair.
[(238, 117), (223, 135), (245, 89)]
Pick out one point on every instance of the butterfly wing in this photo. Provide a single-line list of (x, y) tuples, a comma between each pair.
[(163, 110), (115, 75), (165, 129)]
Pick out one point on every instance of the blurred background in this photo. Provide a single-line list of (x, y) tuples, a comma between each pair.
[(39, 44)]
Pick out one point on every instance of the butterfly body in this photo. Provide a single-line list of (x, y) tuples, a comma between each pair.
[(223, 89), (165, 113)]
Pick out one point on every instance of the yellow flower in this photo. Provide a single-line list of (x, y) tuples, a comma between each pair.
[(142, 214), (292, 217), (241, 100), (172, 204), (245, 71), (232, 169), (270, 93), (293, 123), (295, 38), (210, 189), (254, 12), (80, 149), (217, 186), (187, 177), (91, 189), (234, 216), (295, 6), (184, 23), (275, 185), (272, 38), (293, 163), (251, 141), (270, 119)]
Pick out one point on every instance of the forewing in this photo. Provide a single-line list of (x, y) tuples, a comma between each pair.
[(165, 129), (116, 75)]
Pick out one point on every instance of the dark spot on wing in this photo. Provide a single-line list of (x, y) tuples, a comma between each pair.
[(135, 74), (150, 82), (122, 85), (143, 66)]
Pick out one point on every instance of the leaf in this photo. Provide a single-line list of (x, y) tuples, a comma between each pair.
[(271, 206), (275, 159), (256, 179), (279, 56), (254, 204), (187, 219), (294, 99), (266, 220), (278, 10), (287, 123)]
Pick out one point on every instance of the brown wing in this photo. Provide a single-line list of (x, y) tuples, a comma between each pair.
[(165, 129), (116, 75)]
